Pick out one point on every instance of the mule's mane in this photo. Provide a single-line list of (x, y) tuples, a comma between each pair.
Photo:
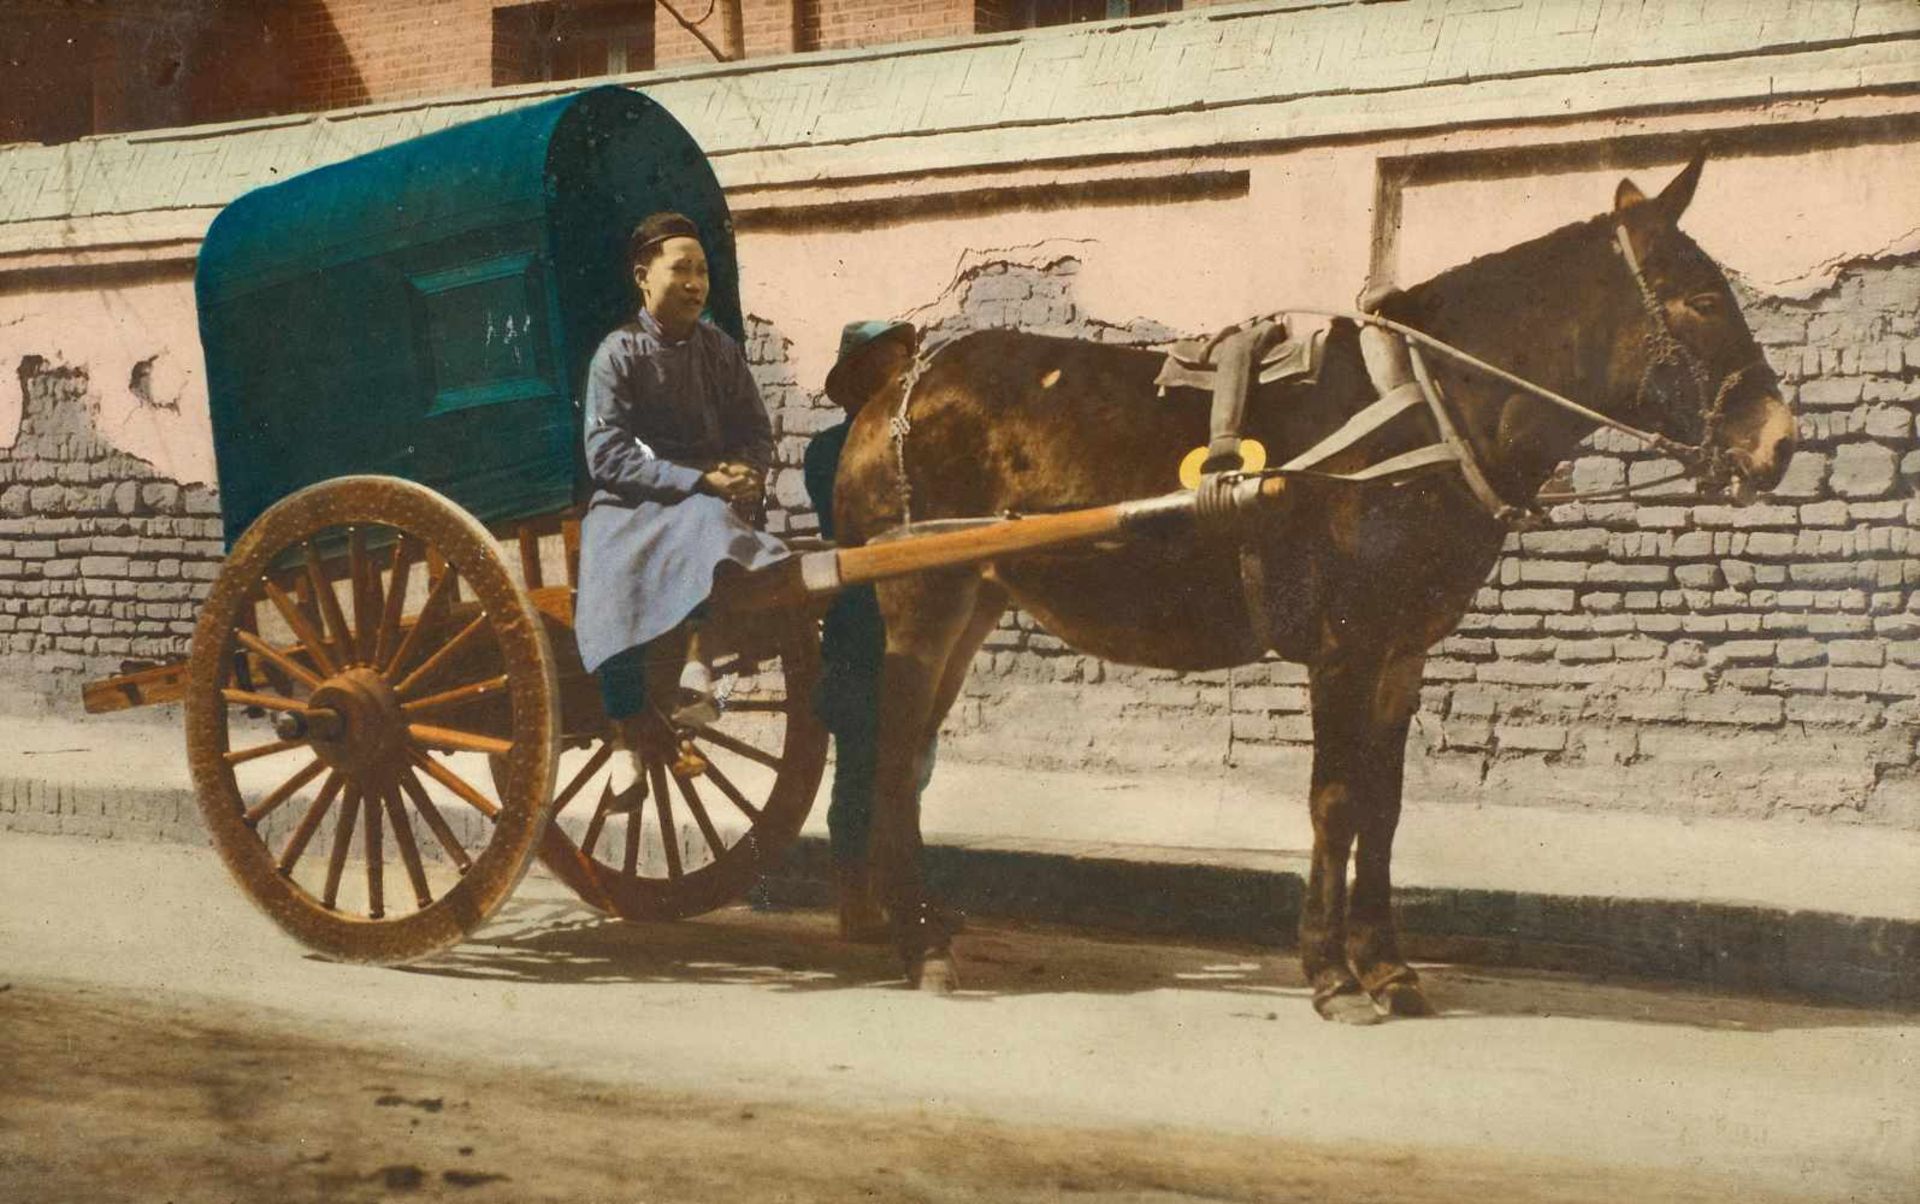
[(1518, 268)]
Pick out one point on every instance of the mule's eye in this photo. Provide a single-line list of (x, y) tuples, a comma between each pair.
[(1704, 304)]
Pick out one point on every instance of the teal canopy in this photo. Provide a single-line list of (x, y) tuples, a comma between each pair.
[(428, 310)]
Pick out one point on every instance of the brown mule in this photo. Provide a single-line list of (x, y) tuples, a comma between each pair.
[(1359, 581)]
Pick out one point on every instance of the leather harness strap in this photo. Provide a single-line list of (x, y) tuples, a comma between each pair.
[(1234, 357)]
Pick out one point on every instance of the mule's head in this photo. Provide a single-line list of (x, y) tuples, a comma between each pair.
[(1689, 368)]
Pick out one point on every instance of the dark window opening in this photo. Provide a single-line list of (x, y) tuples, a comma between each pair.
[(533, 43), (1034, 14)]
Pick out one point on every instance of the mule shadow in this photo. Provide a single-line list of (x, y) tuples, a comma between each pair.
[(561, 942)]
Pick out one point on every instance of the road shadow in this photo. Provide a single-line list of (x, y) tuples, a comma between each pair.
[(542, 941)]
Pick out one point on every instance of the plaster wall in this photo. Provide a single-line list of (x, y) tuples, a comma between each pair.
[(1665, 656)]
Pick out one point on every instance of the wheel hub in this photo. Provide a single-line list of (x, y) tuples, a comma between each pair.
[(356, 725)]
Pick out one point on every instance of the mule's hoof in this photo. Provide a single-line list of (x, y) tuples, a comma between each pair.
[(1402, 999), (935, 974), (1346, 1007)]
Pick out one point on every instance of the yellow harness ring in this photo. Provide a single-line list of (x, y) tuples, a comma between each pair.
[(1253, 458)]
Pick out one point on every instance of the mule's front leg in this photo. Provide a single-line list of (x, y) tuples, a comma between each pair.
[(1373, 945), (1338, 746), (1361, 711), (1375, 713)]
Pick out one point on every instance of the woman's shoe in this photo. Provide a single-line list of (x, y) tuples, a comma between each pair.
[(626, 782), (696, 707)]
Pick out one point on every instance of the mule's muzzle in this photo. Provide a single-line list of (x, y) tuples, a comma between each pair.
[(1757, 445)]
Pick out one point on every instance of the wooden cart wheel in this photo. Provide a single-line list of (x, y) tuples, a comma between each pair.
[(372, 624), (701, 840)]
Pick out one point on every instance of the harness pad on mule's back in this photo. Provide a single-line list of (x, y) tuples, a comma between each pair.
[(1294, 352)]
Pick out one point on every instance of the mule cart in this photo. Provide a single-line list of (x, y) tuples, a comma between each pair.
[(385, 663), (386, 659)]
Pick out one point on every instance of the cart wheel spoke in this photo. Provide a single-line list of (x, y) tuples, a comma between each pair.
[(731, 744), (600, 757), (439, 598), (442, 831), (271, 702), (376, 859), (635, 821), (669, 831), (441, 658), (310, 823), (281, 793), (455, 740), (457, 696), (279, 658), (297, 621), (338, 634), (243, 755), (364, 575), (732, 792), (690, 794), (342, 841), (454, 782), (597, 823), (409, 848), (404, 554)]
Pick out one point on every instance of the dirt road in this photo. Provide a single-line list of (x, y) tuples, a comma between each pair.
[(159, 1041)]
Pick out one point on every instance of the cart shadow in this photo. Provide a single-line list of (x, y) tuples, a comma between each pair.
[(799, 951)]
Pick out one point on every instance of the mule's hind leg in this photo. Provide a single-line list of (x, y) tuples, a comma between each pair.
[(1373, 947), (927, 618)]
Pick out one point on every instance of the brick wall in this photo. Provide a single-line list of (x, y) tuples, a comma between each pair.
[(847, 23), (1655, 655), (348, 52), (102, 559)]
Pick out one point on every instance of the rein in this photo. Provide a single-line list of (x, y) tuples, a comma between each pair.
[(1663, 349)]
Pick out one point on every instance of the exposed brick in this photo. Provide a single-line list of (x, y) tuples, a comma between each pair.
[(1609, 573), (1513, 737), (1824, 393), (1747, 710), (1863, 470), (1538, 599), (1832, 712), (1856, 652)]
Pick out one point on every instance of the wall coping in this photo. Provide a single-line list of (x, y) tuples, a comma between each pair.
[(1217, 80)]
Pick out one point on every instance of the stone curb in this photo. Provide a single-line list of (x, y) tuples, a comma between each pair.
[(1818, 956), (1228, 895)]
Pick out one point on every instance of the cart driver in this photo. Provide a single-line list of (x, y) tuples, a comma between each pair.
[(677, 447)]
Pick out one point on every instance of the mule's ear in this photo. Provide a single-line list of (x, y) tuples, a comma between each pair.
[(1675, 197), (1627, 195)]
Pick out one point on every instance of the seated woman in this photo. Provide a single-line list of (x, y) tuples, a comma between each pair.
[(678, 443)]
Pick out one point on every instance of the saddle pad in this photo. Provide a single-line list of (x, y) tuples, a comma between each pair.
[(1297, 356)]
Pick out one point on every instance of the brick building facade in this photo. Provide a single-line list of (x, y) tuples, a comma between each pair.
[(143, 64), (1655, 655)]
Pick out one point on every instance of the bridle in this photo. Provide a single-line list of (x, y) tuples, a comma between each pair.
[(1663, 349)]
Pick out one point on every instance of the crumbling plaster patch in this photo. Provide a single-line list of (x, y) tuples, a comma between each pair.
[(140, 347)]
